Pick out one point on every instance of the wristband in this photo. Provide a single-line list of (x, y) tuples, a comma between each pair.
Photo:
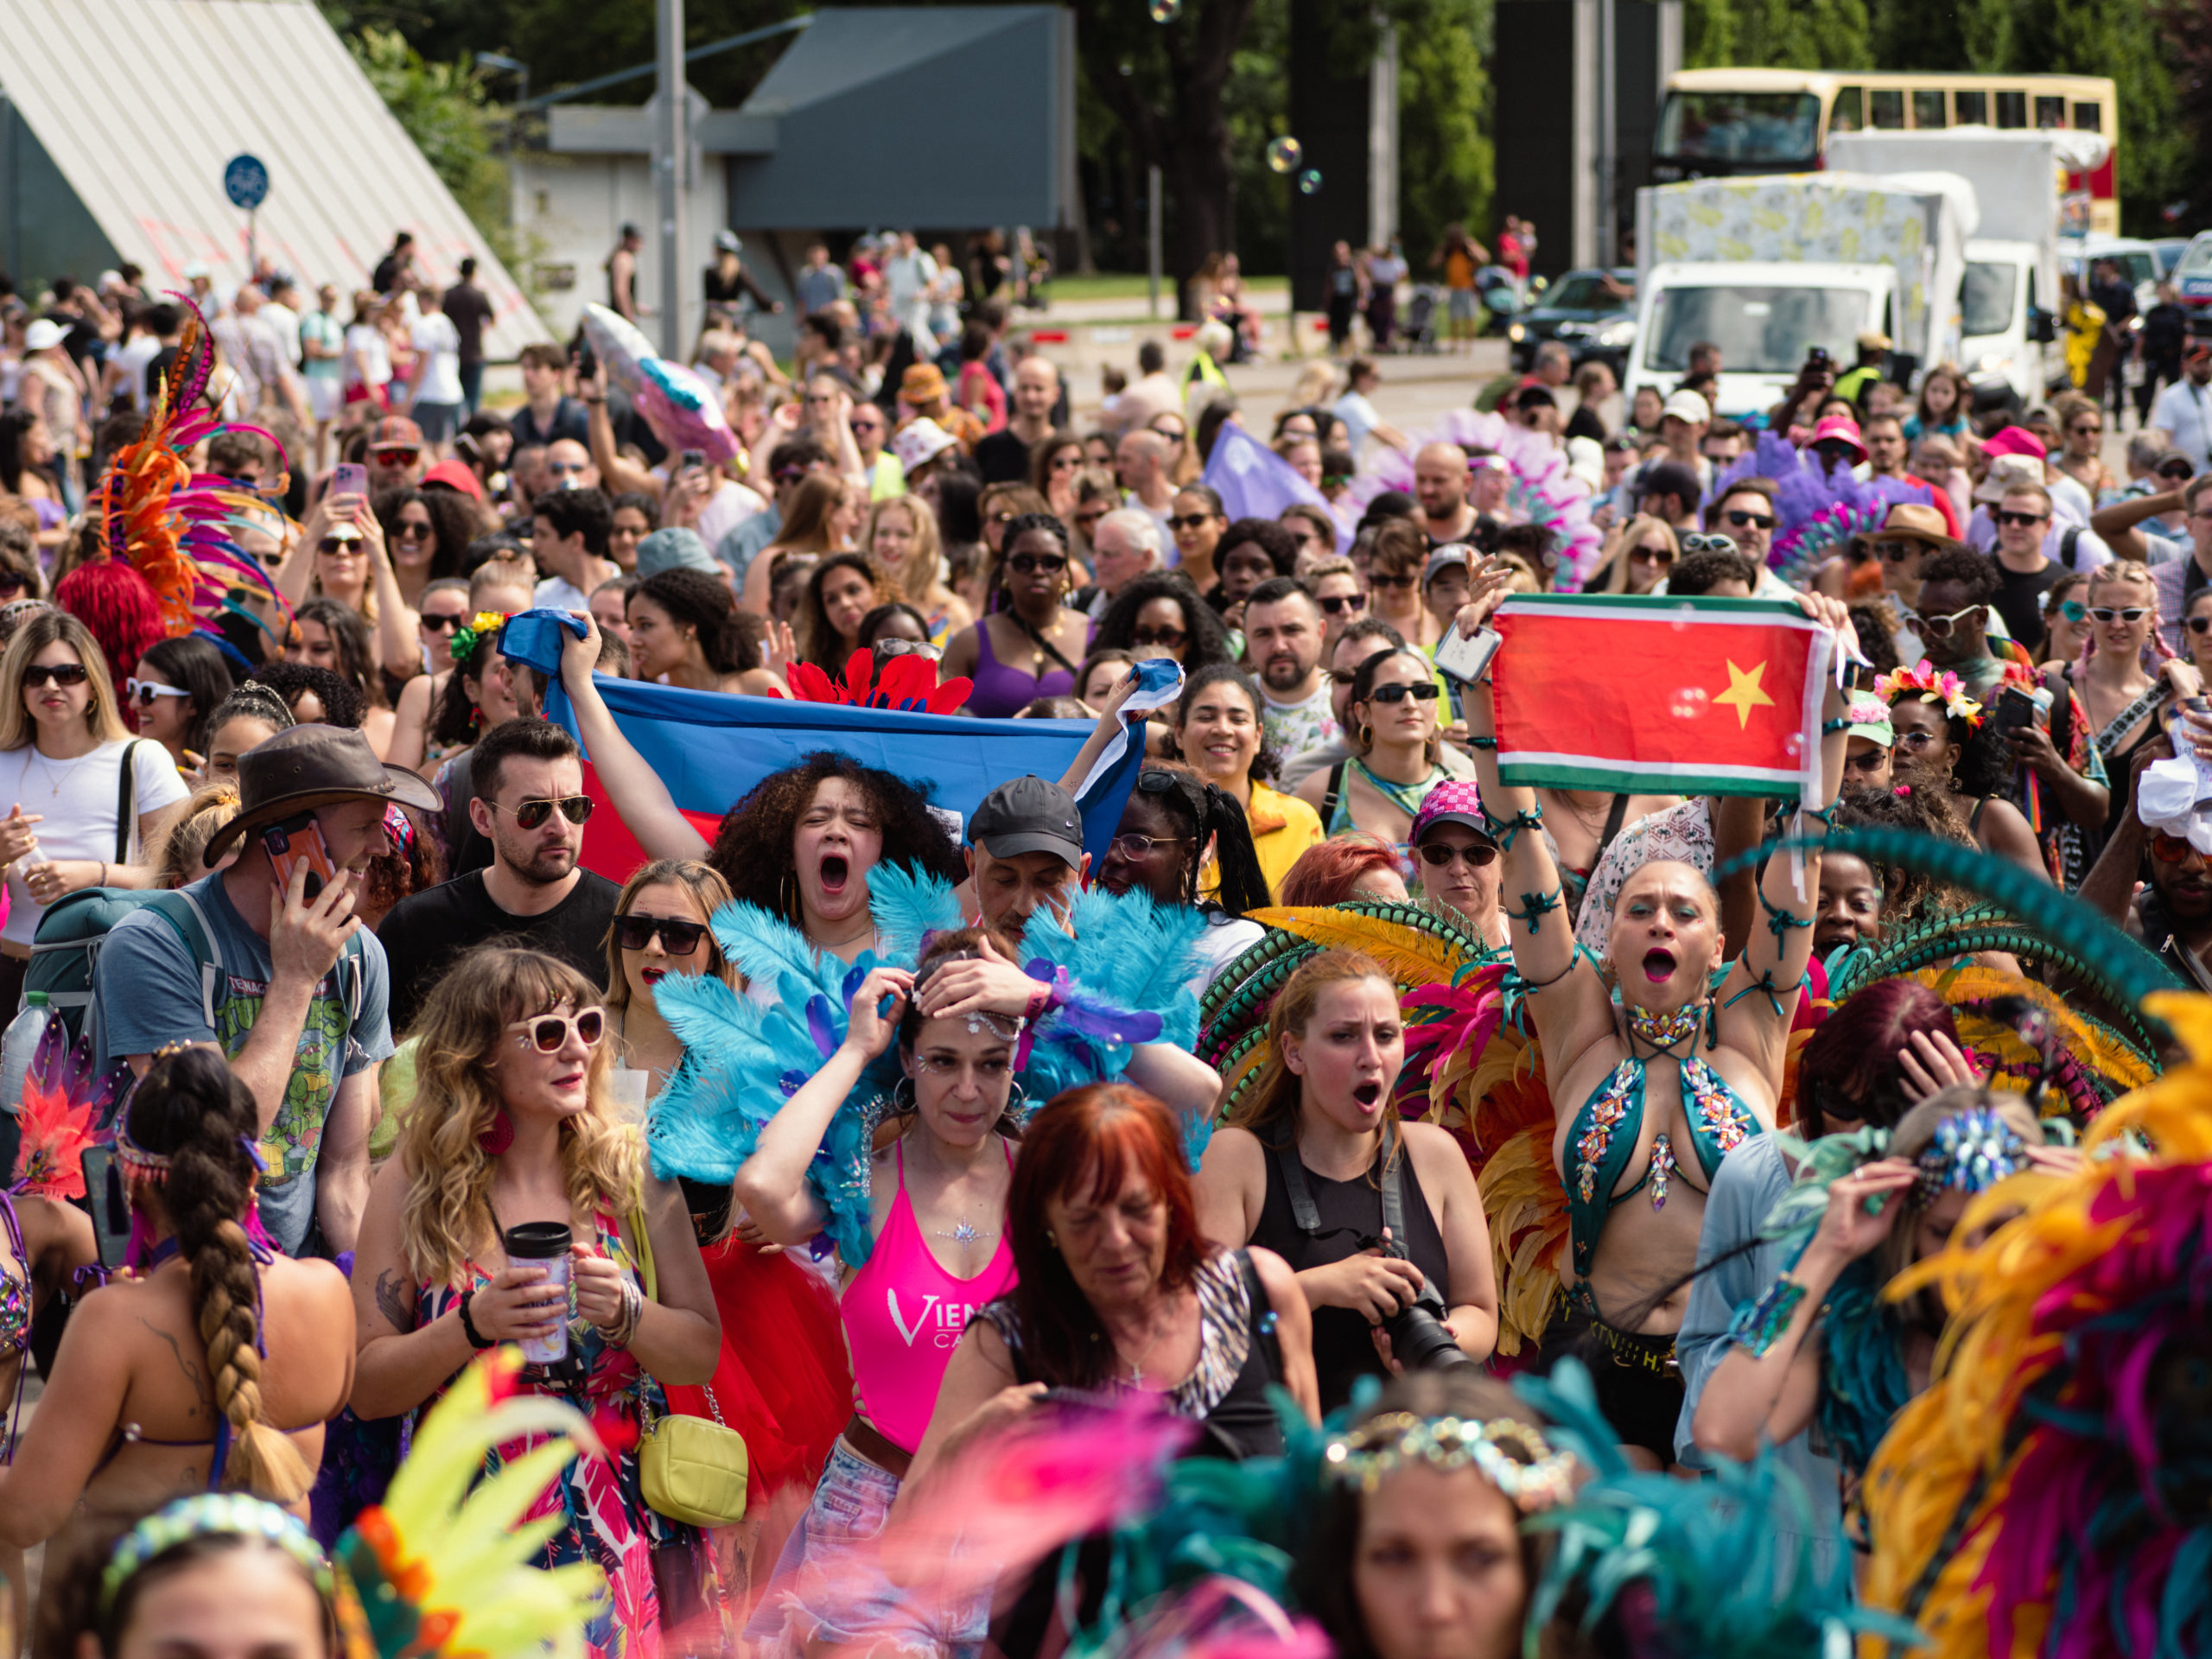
[(477, 1339), (1759, 1326)]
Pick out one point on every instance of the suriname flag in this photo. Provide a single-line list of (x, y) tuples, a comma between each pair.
[(1660, 695)]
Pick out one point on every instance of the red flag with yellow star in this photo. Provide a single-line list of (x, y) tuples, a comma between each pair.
[(1659, 695)]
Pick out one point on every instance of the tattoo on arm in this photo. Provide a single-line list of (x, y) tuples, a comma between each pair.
[(393, 1302), (192, 1372)]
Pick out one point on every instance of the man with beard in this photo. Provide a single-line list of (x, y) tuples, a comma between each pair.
[(1282, 644), (2173, 915), (530, 804), (1440, 485)]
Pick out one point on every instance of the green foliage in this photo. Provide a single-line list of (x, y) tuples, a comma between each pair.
[(1257, 103), (446, 111), (1445, 158)]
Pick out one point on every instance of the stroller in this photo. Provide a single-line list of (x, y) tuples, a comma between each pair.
[(1417, 323)]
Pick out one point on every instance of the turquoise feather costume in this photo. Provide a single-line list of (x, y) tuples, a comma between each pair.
[(1121, 982)]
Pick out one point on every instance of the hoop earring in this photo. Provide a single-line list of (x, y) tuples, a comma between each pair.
[(499, 1136), (903, 1100), (788, 897), (1018, 1105)]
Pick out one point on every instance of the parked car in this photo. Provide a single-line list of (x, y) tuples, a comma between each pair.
[(2192, 280), (1590, 316)]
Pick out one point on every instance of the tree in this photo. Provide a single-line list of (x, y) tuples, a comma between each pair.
[(445, 109), (1446, 162)]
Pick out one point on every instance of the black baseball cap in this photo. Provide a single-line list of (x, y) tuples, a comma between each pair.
[(1028, 815)]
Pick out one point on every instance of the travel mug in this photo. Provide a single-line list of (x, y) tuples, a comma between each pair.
[(544, 1244)]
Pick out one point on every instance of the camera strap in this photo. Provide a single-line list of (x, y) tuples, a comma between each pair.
[(1307, 1215)]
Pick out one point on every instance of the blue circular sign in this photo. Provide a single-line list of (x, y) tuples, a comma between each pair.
[(245, 181)]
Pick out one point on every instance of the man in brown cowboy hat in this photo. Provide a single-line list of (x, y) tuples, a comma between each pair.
[(265, 959), (924, 396), (1907, 537)]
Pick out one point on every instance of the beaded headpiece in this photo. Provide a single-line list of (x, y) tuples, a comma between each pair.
[(1510, 1454), (1922, 681), (1972, 1151), (484, 625), (211, 1515)]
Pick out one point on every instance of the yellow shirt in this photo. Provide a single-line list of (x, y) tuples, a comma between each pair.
[(1282, 828)]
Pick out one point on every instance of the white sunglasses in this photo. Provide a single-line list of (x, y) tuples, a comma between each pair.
[(144, 691)]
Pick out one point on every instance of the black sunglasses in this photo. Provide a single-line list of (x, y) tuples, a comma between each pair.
[(635, 931), (2019, 518), (1741, 520), (1421, 692), (574, 807), (1030, 564), (441, 622), (2197, 624), (1170, 638), (1336, 604), (1187, 520), (1436, 855), (60, 674)]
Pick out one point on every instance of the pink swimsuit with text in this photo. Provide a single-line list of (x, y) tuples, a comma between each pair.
[(905, 1314)]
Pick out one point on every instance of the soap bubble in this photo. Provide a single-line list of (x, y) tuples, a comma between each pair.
[(1689, 703), (1284, 153), (1685, 615), (1167, 11), (1309, 181)]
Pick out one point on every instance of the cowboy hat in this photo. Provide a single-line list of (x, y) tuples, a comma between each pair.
[(307, 767)]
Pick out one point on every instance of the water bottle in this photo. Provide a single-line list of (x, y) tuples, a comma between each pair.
[(18, 1046)]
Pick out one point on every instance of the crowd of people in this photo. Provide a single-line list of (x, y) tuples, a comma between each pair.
[(898, 1194)]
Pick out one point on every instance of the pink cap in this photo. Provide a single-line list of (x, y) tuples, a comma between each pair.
[(1454, 801), (2015, 440), (1839, 429)]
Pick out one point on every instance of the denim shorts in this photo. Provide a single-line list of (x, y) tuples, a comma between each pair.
[(829, 1586)]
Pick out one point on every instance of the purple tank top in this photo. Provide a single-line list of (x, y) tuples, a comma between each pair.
[(1001, 692)]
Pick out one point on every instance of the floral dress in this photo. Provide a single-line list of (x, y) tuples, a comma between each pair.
[(603, 1498)]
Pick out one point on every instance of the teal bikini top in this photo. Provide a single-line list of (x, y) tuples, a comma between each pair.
[(1606, 1131)]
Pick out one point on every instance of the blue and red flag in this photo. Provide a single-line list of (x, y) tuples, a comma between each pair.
[(710, 747)]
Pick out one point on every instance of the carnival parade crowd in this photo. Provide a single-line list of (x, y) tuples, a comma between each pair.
[(1298, 1177)]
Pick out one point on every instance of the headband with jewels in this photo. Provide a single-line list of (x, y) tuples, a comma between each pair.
[(211, 1514), (1922, 681), (1972, 1151), (1511, 1455)]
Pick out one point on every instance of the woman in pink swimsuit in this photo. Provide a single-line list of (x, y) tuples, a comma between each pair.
[(937, 1217)]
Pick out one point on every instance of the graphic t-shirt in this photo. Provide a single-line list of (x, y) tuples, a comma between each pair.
[(149, 992), (1291, 728)]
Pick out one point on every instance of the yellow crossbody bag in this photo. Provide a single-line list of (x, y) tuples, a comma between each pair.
[(692, 1470)]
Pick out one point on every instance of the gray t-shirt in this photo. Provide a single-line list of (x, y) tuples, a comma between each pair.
[(149, 992)]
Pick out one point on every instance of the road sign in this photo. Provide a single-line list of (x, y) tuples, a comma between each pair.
[(245, 181)]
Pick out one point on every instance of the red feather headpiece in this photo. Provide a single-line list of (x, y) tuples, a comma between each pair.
[(64, 1100), (908, 683)]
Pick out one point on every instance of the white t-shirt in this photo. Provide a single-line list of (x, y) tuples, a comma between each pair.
[(1359, 418), (286, 323), (367, 361), (131, 358), (2183, 413), (77, 800), (437, 343), (559, 593), (733, 504)]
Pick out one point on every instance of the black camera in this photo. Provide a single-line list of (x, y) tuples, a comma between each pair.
[(1420, 1338)]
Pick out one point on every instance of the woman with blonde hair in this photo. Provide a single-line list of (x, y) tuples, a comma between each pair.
[(215, 1364), (809, 527), (184, 843), (901, 542), (516, 1194), (2126, 674), (86, 797), (1642, 554)]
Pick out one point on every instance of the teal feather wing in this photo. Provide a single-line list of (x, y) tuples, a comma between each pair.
[(767, 947), (908, 905)]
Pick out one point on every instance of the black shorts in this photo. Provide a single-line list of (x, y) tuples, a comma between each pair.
[(1639, 1385)]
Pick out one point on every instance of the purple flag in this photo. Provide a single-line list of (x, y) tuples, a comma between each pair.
[(1255, 482)]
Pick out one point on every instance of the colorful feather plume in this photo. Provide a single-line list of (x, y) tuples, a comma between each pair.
[(908, 682), (1504, 1122), (445, 1566), (176, 528), (65, 1099), (2051, 1492), (1820, 511)]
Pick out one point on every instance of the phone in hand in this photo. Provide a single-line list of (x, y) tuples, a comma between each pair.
[(1466, 659), (111, 1210), (2016, 710), (691, 460), (349, 477), (298, 840), (1818, 359)]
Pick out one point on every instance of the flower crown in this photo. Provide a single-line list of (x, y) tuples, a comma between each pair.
[(1921, 680), (484, 625), (1511, 1455)]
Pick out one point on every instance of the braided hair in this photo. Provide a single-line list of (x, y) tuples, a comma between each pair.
[(192, 1109), (1212, 815)]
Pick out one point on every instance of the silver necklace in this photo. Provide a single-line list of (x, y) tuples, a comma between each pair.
[(965, 1231)]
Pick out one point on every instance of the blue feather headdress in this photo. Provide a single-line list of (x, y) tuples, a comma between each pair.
[(1122, 982)]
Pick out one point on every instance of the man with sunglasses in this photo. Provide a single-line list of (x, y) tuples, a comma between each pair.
[(1745, 514), (2173, 914), (2024, 575), (395, 459), (529, 803), (281, 978)]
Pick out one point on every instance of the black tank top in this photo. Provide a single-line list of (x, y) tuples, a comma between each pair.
[(1343, 1348)]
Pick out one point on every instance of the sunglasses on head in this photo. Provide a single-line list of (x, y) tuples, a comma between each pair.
[(59, 673), (907, 648), (1419, 692), (1030, 564), (1437, 856), (1337, 604), (1939, 627), (2006, 518), (1187, 520), (574, 807), (442, 621), (337, 544), (549, 1032), (1744, 520), (2170, 849), (2110, 614), (1172, 638), (1696, 544), (635, 931), (396, 457), (142, 692)]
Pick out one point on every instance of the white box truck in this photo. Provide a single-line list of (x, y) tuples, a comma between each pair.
[(1767, 268)]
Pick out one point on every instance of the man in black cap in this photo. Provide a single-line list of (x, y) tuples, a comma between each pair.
[(266, 959), (1025, 849)]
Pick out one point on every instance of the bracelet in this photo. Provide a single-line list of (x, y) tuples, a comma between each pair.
[(1502, 830), (1536, 907), (1830, 728), (1759, 1326), (1474, 742), (633, 1309), (103, 873), (477, 1339)]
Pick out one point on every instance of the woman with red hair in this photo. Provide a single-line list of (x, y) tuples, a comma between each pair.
[(1117, 1292), (1352, 866)]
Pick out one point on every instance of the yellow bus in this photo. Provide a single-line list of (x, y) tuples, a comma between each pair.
[(1720, 122)]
